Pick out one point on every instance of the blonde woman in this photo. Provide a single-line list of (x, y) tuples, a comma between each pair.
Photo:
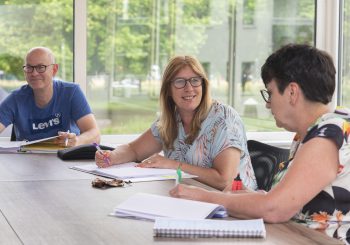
[(203, 137)]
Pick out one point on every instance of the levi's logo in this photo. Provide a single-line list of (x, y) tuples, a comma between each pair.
[(46, 124)]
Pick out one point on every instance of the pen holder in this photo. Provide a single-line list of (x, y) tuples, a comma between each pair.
[(80, 152)]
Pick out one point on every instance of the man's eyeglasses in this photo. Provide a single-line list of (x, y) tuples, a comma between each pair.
[(266, 95), (38, 68), (181, 82)]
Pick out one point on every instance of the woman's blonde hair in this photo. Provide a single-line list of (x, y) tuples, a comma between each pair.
[(168, 124)]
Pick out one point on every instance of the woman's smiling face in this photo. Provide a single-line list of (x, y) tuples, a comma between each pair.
[(188, 98)]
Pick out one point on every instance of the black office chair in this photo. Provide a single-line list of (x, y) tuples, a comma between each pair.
[(265, 159), (13, 134)]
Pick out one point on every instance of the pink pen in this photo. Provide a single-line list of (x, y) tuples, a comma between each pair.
[(105, 157)]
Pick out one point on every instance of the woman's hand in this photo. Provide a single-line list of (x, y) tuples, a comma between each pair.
[(158, 161), (188, 192), (103, 159)]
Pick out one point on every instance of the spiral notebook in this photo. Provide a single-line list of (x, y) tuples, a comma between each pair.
[(192, 228)]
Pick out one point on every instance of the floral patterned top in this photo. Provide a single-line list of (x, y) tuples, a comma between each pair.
[(223, 128), (329, 211)]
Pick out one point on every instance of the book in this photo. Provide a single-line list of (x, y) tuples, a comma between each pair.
[(130, 172), (191, 228), (150, 206), (45, 145)]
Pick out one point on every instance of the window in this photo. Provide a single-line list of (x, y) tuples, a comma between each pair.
[(30, 24), (249, 12), (345, 83), (130, 42)]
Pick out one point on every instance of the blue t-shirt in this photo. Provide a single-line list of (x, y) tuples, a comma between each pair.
[(68, 104), (223, 128)]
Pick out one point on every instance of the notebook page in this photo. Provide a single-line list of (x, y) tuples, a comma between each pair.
[(10, 145), (134, 172), (93, 167), (129, 171)]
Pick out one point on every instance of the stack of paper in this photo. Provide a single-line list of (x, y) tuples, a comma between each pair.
[(149, 206), (129, 172)]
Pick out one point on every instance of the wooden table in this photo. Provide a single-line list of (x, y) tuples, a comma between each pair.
[(42, 201)]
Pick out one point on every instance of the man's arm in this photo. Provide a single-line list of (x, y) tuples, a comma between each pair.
[(2, 127), (89, 131)]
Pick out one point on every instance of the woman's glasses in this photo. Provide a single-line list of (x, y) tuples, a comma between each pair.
[(266, 95), (181, 82)]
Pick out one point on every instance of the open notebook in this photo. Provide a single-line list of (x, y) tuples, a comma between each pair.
[(129, 172), (167, 227), (150, 206), (45, 145)]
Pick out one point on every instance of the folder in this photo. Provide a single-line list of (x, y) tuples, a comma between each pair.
[(45, 145)]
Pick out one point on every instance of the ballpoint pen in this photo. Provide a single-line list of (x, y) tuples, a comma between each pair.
[(105, 157), (66, 139), (179, 175)]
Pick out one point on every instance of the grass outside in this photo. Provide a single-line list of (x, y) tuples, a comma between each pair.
[(135, 115)]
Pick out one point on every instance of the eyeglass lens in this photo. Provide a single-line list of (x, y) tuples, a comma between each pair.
[(266, 95), (194, 81), (38, 68)]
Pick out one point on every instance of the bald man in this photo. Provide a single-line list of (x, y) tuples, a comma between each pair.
[(47, 107)]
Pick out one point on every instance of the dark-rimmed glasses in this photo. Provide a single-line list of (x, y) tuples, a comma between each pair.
[(181, 82), (38, 68), (266, 95)]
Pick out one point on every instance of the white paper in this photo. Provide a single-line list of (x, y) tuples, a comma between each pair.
[(129, 171), (15, 146), (10, 145), (149, 206)]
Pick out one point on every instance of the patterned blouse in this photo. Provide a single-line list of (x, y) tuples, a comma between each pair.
[(223, 128), (329, 211)]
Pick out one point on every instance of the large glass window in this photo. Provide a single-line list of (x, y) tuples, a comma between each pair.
[(130, 42), (345, 98), (27, 24)]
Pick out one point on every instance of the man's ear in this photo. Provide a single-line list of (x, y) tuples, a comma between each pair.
[(54, 69)]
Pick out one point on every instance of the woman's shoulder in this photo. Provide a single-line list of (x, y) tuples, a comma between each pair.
[(338, 117), (222, 110)]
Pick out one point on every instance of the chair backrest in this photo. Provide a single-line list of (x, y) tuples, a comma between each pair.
[(265, 159), (13, 134)]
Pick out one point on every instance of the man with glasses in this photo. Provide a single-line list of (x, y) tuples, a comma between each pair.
[(46, 106)]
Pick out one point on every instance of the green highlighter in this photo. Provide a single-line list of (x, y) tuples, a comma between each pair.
[(179, 175)]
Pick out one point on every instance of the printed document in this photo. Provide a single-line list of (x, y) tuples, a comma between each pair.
[(130, 172)]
